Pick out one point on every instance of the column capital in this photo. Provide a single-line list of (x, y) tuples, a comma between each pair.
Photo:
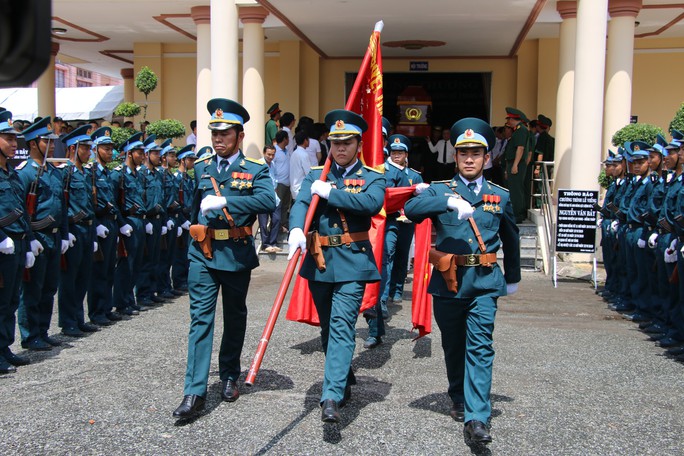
[(252, 14), (201, 14), (54, 49), (622, 8), (127, 73), (567, 9)]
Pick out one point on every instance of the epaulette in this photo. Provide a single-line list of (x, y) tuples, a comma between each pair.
[(206, 157), (448, 181), (498, 186), (61, 166), (317, 167), (372, 169), (21, 165), (417, 172), (88, 165), (254, 160), (119, 168)]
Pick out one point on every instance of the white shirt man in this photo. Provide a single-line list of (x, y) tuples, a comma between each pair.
[(444, 150), (300, 165), (314, 151)]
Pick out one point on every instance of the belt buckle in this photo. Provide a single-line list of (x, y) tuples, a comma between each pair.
[(221, 235), (334, 240), (471, 260)]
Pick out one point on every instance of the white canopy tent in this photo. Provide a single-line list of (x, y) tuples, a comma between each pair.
[(82, 103)]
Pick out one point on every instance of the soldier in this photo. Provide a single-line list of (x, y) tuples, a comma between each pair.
[(15, 234), (42, 186), (607, 238), (186, 192), (77, 262), (469, 233), (516, 161), (272, 124), (231, 190), (170, 186), (128, 185), (339, 261), (107, 220)]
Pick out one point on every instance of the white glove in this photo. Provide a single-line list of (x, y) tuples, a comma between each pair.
[(169, 225), (465, 210), (36, 247), (682, 250), (149, 229), (96, 246), (212, 203), (186, 225), (420, 188), (511, 288), (101, 231), (30, 260), (164, 230), (65, 246), (321, 189), (673, 244), (641, 243), (7, 246), (671, 256), (614, 225), (179, 231), (72, 240), (296, 240), (653, 240), (126, 230)]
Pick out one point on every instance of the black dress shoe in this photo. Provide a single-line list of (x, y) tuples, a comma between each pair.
[(72, 331), (139, 308), (145, 303), (329, 412), (13, 359), (229, 391), (51, 340), (37, 344), (158, 299), (476, 432), (6, 367), (346, 397), (675, 351), (102, 321), (88, 327), (182, 289), (114, 316), (457, 411), (167, 295), (129, 311), (177, 292), (191, 405)]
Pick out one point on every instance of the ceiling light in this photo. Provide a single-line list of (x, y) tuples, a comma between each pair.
[(59, 30)]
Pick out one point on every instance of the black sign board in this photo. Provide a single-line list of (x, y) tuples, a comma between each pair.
[(418, 66), (576, 221), (633, 119)]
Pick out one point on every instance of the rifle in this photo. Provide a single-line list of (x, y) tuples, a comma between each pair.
[(32, 197), (121, 246)]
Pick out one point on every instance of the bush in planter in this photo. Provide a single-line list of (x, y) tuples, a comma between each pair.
[(166, 128), (119, 135), (636, 132), (678, 121), (603, 180), (146, 81), (127, 109)]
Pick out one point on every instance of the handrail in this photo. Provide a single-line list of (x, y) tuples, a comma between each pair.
[(547, 205)]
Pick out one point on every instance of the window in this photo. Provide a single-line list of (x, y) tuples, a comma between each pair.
[(80, 83), (60, 78), (81, 73)]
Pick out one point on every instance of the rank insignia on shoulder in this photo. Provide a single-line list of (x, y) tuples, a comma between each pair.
[(491, 203), (353, 185), (254, 160), (21, 165)]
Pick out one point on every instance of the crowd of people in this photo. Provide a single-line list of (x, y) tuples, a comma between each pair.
[(642, 226)]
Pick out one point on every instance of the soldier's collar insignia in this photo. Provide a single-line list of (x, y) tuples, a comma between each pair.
[(359, 172), (242, 163), (339, 125)]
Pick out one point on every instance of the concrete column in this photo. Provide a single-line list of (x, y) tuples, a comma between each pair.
[(202, 17), (564, 96), (46, 87), (619, 62), (253, 78), (128, 75), (224, 49), (587, 112)]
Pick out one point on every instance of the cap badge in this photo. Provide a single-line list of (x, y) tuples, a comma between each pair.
[(636, 147), (107, 133), (9, 122), (219, 113), (339, 125), (397, 141), (469, 133), (49, 127)]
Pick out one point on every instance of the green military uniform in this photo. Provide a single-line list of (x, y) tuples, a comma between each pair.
[(466, 318), (272, 125), (516, 182)]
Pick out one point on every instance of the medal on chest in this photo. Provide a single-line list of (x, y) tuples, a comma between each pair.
[(353, 185), (491, 203), (241, 180)]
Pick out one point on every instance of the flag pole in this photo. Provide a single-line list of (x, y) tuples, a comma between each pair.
[(292, 263)]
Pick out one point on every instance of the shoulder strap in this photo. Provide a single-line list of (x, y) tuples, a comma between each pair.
[(229, 218)]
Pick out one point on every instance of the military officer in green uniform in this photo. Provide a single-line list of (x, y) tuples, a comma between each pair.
[(272, 124), (15, 235), (186, 191), (107, 220), (170, 187), (516, 161), (339, 261), (77, 262), (473, 218), (231, 190)]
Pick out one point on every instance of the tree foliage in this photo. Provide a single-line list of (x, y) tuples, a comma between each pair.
[(678, 121), (166, 128), (127, 109), (636, 132)]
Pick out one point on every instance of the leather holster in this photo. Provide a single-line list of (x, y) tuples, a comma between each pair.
[(200, 233), (446, 264), (313, 245)]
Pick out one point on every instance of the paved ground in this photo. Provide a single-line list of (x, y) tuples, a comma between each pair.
[(570, 378)]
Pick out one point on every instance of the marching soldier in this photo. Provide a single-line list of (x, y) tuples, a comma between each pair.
[(607, 238), (15, 234), (128, 184), (186, 192), (516, 161), (170, 186), (339, 261), (43, 188), (231, 190), (107, 220), (472, 218), (77, 262)]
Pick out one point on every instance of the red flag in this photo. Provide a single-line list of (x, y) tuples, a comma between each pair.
[(421, 302)]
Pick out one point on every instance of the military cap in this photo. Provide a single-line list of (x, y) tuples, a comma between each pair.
[(344, 124), (188, 152), (204, 151), (226, 114), (150, 144), (40, 129), (273, 110), (133, 142), (102, 135), (619, 155), (166, 147), (516, 114), (472, 132), (6, 123), (660, 144), (544, 121), (610, 159), (636, 149), (399, 142), (386, 126), (79, 135), (677, 135)]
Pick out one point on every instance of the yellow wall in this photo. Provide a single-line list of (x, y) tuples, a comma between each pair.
[(526, 80)]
